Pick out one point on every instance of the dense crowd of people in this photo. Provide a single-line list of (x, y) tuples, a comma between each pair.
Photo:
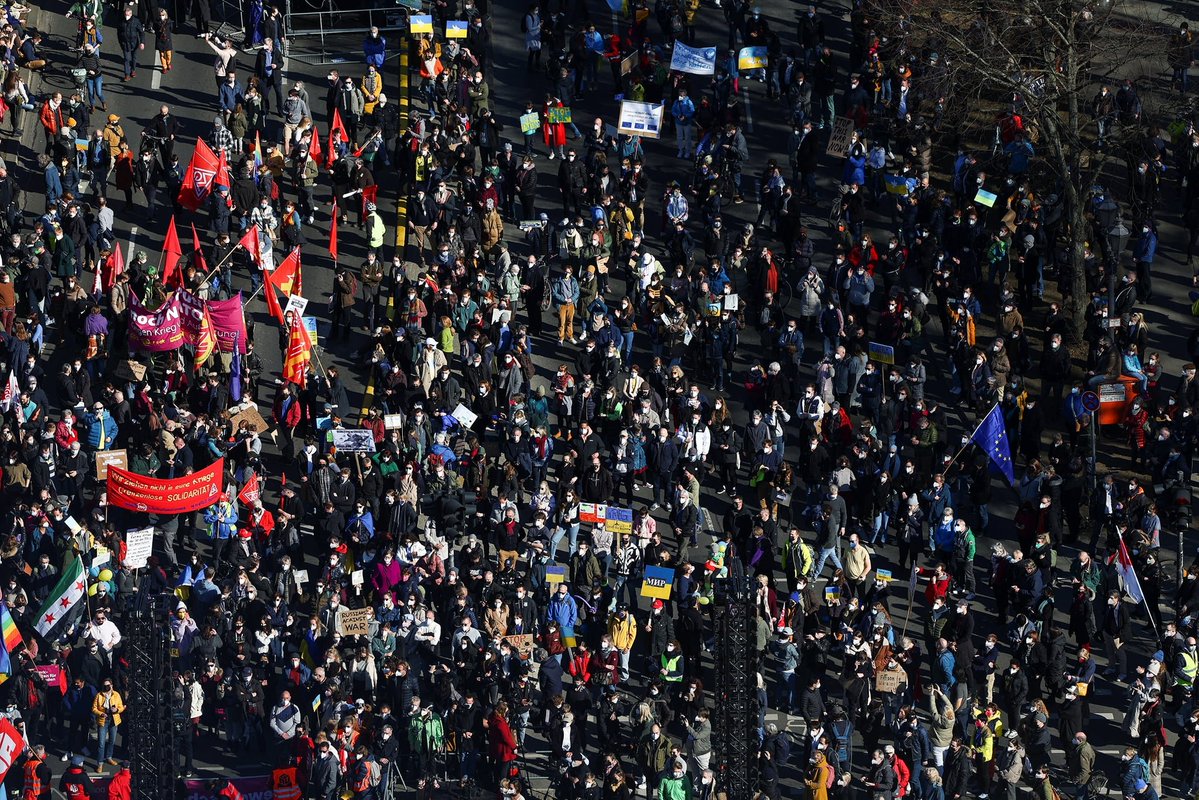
[(655, 370)]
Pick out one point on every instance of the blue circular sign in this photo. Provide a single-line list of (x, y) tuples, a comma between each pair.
[(1090, 401)]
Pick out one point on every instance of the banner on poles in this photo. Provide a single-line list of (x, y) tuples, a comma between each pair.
[(230, 324), (640, 119), (155, 331), (693, 60), (166, 495)]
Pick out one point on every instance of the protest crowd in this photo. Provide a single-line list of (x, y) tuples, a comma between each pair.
[(459, 519)]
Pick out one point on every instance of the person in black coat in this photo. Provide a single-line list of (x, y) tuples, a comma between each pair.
[(957, 770), (268, 67)]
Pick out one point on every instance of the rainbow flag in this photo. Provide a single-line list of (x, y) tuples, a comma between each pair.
[(257, 150), (8, 629)]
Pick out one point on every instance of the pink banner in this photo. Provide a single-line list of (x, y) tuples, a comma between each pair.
[(155, 331), (230, 323), (191, 310), (257, 787)]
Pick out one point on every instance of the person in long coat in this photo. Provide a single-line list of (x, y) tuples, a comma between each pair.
[(553, 133)]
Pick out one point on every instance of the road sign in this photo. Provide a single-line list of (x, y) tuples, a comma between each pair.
[(1090, 401)]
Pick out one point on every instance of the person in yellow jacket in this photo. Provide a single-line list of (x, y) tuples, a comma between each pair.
[(107, 709), (817, 779), (622, 629), (986, 727)]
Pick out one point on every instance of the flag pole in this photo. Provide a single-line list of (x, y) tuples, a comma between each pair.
[(1131, 566)]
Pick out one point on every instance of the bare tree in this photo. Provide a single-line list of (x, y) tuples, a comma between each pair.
[(1047, 59)]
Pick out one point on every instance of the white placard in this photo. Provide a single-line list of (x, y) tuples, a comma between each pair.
[(466, 418), (640, 119), (139, 544), (301, 577), (731, 302), (297, 304), (393, 421), (357, 578)]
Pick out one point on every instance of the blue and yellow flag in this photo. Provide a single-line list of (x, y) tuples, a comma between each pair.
[(991, 437)]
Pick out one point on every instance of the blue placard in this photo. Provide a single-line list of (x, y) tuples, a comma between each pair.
[(657, 582), (693, 60), (1090, 401)]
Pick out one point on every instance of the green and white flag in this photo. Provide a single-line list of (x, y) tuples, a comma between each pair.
[(64, 601)]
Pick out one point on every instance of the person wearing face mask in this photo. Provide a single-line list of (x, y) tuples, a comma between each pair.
[(880, 778)]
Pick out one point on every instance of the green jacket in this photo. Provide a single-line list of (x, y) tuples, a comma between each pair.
[(426, 734), (672, 788)]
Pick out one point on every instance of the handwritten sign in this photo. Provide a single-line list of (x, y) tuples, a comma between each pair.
[(560, 115), (356, 622), (522, 644), (842, 137), (110, 458), (139, 544), (529, 123)]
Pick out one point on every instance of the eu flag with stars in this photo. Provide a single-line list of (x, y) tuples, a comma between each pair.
[(991, 436)]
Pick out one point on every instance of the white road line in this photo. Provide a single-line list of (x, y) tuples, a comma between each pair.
[(156, 78), (129, 248), (749, 115)]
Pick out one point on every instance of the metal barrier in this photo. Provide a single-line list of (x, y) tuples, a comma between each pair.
[(335, 29)]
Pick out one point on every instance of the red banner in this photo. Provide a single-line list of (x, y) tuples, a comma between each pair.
[(166, 496), (155, 331)]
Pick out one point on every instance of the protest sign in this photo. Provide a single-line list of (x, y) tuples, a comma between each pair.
[(529, 123), (110, 458), (640, 119), (353, 440), (356, 622), (657, 583), (693, 60), (139, 543), (842, 137), (751, 58)]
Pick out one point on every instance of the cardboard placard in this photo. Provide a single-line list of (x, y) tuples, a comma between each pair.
[(356, 622), (139, 544), (842, 138), (629, 63), (657, 583), (522, 644), (249, 413), (131, 370), (889, 680), (109, 458)]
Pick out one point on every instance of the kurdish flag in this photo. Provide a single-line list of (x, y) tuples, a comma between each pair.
[(8, 629), (65, 598)]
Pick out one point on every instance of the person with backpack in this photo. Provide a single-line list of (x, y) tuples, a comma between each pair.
[(1009, 767), (365, 774), (820, 778)]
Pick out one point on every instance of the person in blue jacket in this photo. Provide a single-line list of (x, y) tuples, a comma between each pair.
[(374, 48), (1144, 251), (101, 428), (222, 524), (564, 610)]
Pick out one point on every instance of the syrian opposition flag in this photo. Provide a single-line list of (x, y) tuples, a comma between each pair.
[(1132, 585), (65, 599), (200, 177)]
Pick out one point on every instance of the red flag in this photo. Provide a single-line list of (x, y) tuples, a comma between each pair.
[(370, 194), (299, 355), (333, 233), (315, 149), (272, 301), (198, 252), (222, 171), (172, 276), (337, 131), (286, 277), (250, 242), (251, 491), (114, 265), (202, 170)]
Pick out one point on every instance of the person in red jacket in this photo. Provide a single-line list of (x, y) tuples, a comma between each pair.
[(223, 787), (903, 774), (501, 742), (121, 785)]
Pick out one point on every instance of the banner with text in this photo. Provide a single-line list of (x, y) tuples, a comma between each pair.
[(166, 495), (693, 60), (640, 119), (155, 331)]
